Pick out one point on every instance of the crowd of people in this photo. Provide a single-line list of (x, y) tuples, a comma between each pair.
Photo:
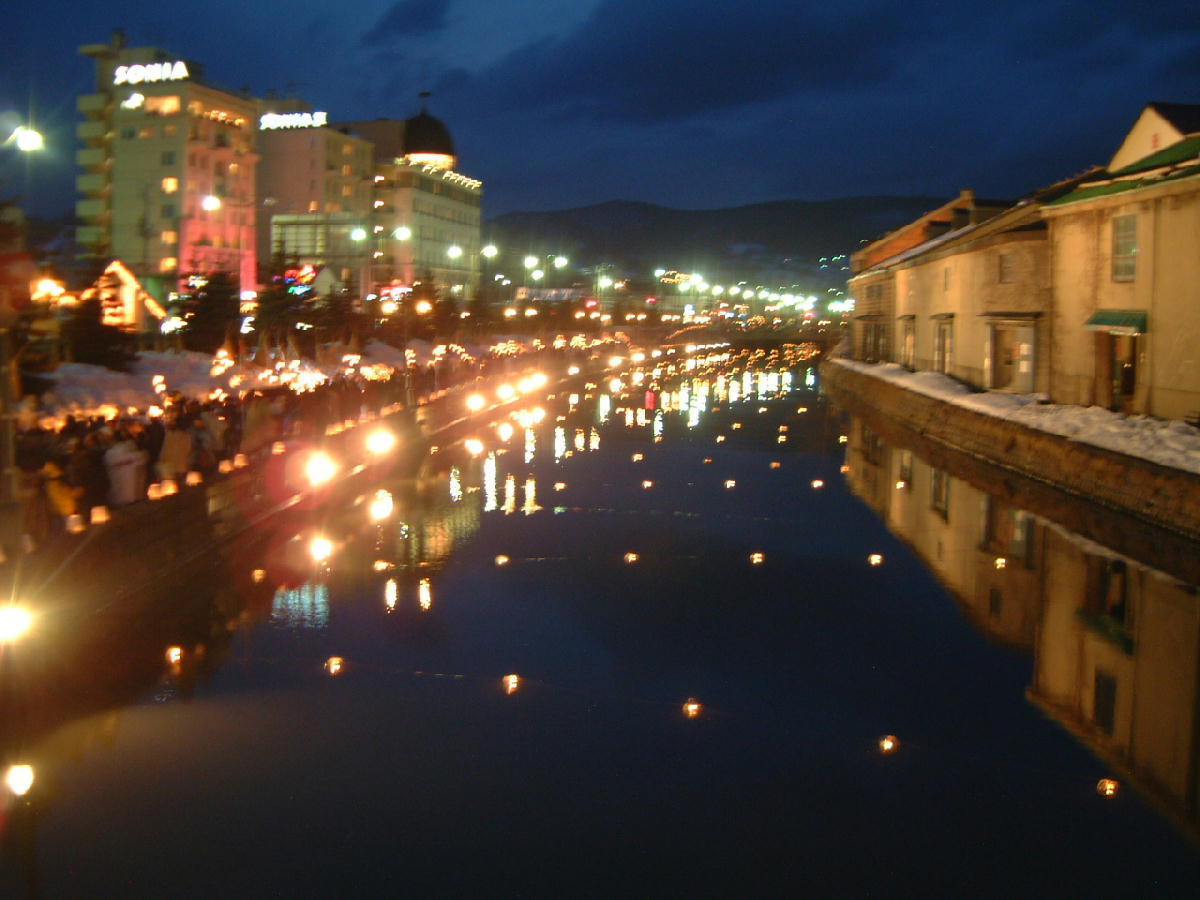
[(92, 462)]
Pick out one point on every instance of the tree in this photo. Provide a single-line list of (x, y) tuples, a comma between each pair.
[(210, 311), (89, 340)]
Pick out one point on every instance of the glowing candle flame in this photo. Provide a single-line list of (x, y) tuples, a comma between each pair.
[(1108, 787), (334, 665), (647, 484), (14, 622), (320, 468), (19, 779), (817, 484), (889, 743), (511, 683), (502, 560), (757, 558), (320, 549), (381, 505), (775, 464), (560, 485), (381, 441), (631, 557), (875, 559), (692, 708), (637, 457), (1000, 562), (730, 484)]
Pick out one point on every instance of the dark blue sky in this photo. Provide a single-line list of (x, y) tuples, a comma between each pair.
[(687, 103)]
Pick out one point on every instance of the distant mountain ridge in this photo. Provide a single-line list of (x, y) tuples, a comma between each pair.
[(790, 235)]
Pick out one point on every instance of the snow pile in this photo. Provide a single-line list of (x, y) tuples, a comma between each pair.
[(1167, 443)]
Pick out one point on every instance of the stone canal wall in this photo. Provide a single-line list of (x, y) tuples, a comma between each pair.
[(1163, 497)]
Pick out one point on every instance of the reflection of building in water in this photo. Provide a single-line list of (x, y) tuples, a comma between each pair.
[(1116, 642), (982, 549), (304, 607), (439, 523)]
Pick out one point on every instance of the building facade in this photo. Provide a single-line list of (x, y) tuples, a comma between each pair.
[(1125, 252), (316, 192), (179, 176), (1087, 291), (168, 168)]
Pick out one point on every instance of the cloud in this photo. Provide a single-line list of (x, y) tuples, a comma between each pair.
[(409, 18), (649, 62)]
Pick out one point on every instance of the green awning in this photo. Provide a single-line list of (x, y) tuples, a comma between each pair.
[(1117, 321)]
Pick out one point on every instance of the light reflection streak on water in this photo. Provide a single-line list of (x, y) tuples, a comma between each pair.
[(560, 443), (735, 391), (456, 491), (685, 397), (530, 444), (530, 506), (810, 378), (787, 381), (628, 418), (580, 440), (594, 440), (747, 384), (390, 594), (657, 427), (425, 594), (510, 494), (603, 408), (489, 482), (304, 607)]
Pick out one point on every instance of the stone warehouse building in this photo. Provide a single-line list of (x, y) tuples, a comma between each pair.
[(1087, 291)]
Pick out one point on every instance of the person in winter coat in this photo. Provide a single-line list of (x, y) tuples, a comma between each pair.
[(126, 466)]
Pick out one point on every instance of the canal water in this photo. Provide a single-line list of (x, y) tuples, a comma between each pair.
[(648, 643)]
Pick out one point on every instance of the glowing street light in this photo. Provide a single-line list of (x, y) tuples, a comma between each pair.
[(358, 234), (211, 203), (454, 251), (531, 262), (403, 233), (27, 139), (490, 251), (560, 262)]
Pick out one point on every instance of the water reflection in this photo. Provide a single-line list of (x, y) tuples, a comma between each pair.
[(1109, 634)]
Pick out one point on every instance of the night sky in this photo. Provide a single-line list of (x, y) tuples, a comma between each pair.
[(686, 103)]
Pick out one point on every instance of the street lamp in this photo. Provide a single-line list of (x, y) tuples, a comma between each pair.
[(27, 139)]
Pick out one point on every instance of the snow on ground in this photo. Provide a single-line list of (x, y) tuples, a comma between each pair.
[(1168, 443), (82, 389)]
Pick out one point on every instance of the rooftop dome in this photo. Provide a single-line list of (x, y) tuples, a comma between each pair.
[(423, 134)]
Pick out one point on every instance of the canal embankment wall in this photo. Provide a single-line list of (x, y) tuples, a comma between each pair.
[(1127, 503)]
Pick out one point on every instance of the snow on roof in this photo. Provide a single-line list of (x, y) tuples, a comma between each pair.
[(1169, 443)]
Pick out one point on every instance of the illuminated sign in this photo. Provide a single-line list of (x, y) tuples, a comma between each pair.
[(139, 74), (273, 121)]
